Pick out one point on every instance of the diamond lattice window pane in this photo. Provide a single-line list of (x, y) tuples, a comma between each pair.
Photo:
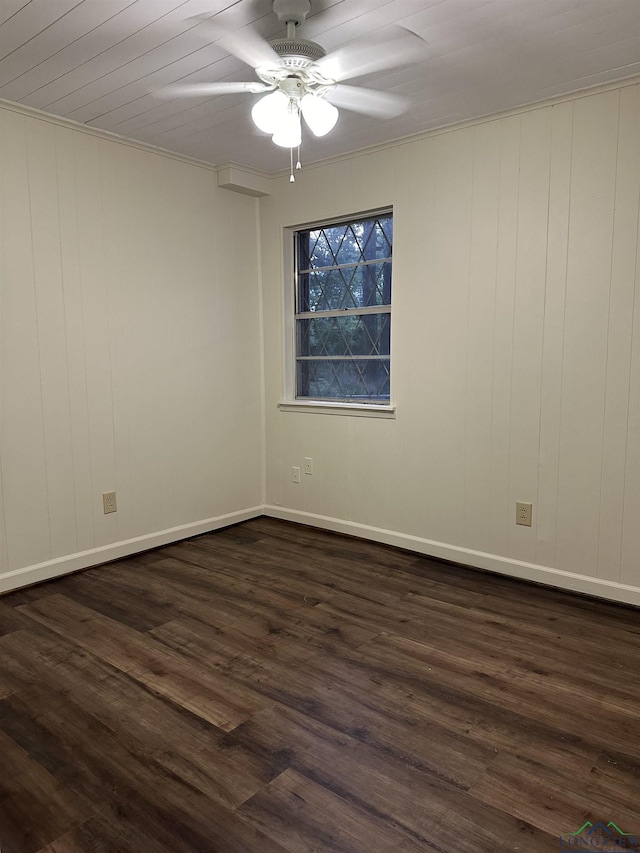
[(352, 243), (306, 295), (339, 239), (350, 287), (365, 380), (341, 270), (377, 238), (320, 254), (355, 334), (330, 290), (371, 285)]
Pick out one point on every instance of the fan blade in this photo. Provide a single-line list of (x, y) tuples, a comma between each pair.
[(246, 44), (373, 55), (202, 90), (368, 101)]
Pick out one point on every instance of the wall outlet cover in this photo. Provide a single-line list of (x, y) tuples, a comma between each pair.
[(109, 502), (524, 512)]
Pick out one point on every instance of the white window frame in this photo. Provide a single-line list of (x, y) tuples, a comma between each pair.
[(305, 404)]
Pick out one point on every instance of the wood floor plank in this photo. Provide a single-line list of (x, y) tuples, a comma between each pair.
[(215, 577), (194, 752), (271, 688), (146, 660), (99, 837), (530, 649), (317, 574), (235, 570), (304, 816), (546, 797), (34, 790), (297, 639), (318, 543), (616, 779), (125, 785), (428, 669), (390, 779), (10, 620), (104, 593)]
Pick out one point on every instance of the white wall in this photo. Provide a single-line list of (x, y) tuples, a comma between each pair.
[(130, 352), (130, 348), (516, 348)]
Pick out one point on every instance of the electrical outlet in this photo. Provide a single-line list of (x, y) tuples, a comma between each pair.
[(308, 465), (523, 513), (295, 474), (109, 502)]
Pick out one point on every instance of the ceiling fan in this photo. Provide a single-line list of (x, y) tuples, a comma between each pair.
[(300, 80)]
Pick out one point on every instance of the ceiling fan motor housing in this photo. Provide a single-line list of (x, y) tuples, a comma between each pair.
[(297, 53)]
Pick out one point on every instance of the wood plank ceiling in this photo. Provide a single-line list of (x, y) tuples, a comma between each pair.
[(100, 62)]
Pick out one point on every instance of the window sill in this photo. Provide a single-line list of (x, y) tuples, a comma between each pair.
[(358, 410)]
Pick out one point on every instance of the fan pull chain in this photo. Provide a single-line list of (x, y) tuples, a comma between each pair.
[(292, 179), (298, 164)]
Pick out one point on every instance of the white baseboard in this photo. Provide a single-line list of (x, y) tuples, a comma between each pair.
[(117, 550), (611, 590), (478, 559)]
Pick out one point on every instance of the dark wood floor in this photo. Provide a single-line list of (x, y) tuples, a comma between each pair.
[(272, 688)]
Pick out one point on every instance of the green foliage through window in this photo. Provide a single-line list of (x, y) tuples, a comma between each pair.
[(343, 310)]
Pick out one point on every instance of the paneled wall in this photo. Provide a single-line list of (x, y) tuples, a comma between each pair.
[(130, 354), (516, 348)]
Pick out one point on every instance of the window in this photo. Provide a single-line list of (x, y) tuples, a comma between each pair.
[(343, 310)]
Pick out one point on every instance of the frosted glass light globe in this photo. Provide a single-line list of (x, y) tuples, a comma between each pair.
[(288, 133), (270, 111), (320, 115)]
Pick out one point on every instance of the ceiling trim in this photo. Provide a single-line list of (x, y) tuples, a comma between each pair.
[(261, 176), (575, 95), (60, 121)]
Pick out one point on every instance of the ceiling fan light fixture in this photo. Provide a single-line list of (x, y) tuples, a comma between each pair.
[(319, 114), (298, 79), (270, 112)]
